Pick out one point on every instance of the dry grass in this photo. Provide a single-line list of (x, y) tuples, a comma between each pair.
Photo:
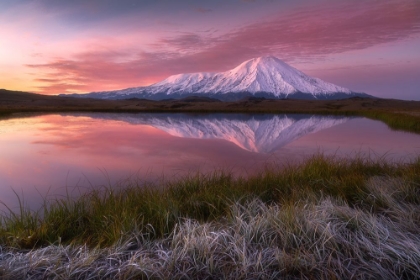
[(326, 219)]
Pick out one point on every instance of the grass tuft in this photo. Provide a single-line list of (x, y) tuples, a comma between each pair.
[(326, 218)]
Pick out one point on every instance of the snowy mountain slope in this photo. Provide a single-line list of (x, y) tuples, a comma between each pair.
[(265, 76), (262, 134)]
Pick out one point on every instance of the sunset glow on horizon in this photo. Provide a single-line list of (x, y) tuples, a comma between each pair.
[(55, 46)]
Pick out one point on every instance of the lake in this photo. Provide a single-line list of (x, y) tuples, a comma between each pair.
[(49, 155)]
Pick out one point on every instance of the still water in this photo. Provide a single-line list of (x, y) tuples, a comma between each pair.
[(47, 155)]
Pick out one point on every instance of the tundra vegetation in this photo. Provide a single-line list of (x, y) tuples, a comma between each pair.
[(326, 218)]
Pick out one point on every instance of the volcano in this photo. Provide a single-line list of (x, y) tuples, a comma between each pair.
[(266, 76)]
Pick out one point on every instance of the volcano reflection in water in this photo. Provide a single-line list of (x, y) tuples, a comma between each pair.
[(257, 133)]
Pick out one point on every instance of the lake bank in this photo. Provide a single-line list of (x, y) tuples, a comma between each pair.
[(72, 152), (324, 218), (328, 217), (398, 114)]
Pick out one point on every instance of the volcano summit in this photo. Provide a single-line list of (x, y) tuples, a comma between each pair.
[(265, 76)]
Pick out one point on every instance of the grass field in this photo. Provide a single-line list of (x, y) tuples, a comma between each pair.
[(327, 218)]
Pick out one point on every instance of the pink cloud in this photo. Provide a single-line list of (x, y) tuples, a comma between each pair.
[(303, 34), (203, 10), (322, 31), (186, 42)]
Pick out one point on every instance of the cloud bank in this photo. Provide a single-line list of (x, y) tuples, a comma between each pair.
[(304, 34)]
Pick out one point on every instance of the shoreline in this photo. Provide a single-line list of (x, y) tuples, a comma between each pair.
[(308, 220), (398, 114)]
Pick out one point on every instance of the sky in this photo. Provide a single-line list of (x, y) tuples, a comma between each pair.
[(61, 46)]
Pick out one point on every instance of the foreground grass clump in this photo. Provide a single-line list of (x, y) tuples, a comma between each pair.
[(327, 218)]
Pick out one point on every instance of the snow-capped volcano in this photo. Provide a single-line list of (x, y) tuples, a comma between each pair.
[(265, 76), (259, 133)]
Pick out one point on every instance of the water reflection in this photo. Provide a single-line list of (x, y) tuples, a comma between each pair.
[(257, 133), (47, 153)]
